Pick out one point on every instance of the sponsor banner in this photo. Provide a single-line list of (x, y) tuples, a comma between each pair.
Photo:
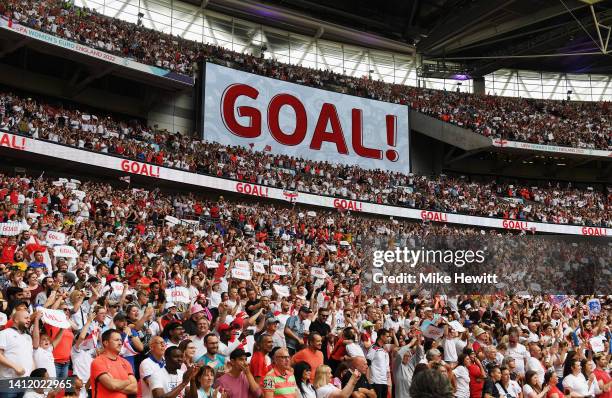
[(55, 318), (92, 52), (501, 143), (178, 295), (55, 238), (275, 116), (115, 163)]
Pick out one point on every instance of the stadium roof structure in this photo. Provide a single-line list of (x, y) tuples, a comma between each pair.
[(568, 36)]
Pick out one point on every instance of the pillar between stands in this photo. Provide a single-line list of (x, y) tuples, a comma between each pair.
[(478, 86)]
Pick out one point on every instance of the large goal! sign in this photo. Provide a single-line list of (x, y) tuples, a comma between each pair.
[(285, 118)]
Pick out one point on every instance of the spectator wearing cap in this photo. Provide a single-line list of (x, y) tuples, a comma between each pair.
[(271, 329), (196, 313), (172, 314), (228, 336), (261, 363), (312, 354), (295, 330), (367, 335), (239, 381), (132, 344), (212, 357)]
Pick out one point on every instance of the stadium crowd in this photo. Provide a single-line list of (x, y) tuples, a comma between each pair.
[(519, 200), (120, 288), (574, 124)]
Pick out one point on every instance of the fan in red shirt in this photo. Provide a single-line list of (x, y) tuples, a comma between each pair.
[(260, 362)]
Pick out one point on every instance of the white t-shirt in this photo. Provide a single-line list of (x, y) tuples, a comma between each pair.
[(18, 349), (512, 391), (463, 382), (519, 353), (354, 350), (325, 391), (535, 365), (379, 366), (44, 359), (33, 394), (580, 385), (450, 350), (81, 363), (147, 368), (200, 347), (166, 381)]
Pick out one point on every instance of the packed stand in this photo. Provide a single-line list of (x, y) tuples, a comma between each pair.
[(573, 124), (559, 203), (122, 290)]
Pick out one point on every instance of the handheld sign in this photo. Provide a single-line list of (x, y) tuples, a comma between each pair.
[(55, 318), (318, 272), (9, 229), (65, 251), (178, 295), (243, 265), (259, 268), (55, 238), (211, 264), (279, 270), (282, 291), (594, 306), (241, 274)]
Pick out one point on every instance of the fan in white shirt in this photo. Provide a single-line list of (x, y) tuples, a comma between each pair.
[(171, 380)]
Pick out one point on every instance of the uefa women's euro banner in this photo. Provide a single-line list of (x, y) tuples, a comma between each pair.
[(275, 116)]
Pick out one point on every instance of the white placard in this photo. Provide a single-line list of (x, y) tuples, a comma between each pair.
[(241, 264), (117, 287), (55, 318), (259, 268), (65, 251), (55, 238), (278, 269), (281, 290), (178, 295), (241, 274), (211, 264), (9, 229), (597, 344), (318, 272)]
